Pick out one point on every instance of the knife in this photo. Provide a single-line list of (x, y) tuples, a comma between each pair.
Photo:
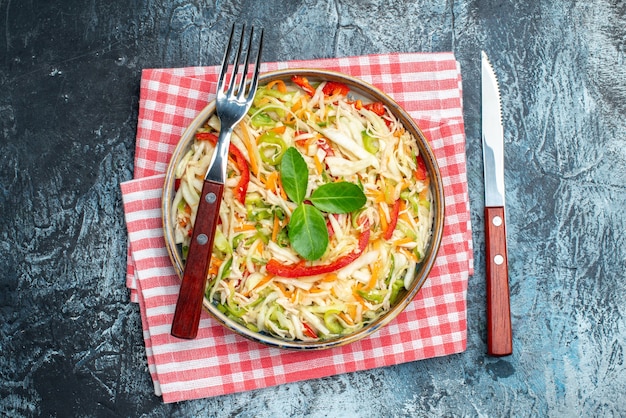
[(499, 334)]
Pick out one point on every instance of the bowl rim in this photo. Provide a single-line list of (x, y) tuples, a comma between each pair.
[(423, 268)]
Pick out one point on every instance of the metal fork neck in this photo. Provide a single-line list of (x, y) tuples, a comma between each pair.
[(219, 159)]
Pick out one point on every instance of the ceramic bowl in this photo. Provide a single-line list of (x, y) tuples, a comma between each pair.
[(361, 90)]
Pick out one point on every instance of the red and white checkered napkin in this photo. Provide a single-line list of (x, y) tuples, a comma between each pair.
[(218, 361)]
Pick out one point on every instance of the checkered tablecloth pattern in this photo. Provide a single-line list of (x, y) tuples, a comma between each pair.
[(218, 361)]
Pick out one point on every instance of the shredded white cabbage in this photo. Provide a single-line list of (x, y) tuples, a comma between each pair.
[(341, 139)]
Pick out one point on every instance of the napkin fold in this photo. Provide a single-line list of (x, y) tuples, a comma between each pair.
[(428, 87)]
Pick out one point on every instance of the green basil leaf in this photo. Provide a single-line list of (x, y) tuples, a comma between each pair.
[(308, 232), (294, 175), (340, 197)]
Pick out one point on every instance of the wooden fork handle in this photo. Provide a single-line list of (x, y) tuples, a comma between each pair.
[(189, 305), (499, 334)]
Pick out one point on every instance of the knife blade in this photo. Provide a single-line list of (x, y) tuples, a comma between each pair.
[(499, 332)]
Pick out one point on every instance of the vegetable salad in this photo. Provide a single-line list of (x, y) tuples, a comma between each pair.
[(326, 211)]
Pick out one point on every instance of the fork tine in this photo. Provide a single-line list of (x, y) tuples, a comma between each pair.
[(242, 83), (257, 67), (255, 75), (233, 77), (221, 87), (225, 61)]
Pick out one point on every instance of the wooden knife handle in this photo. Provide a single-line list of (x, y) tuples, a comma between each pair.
[(499, 334), (189, 305)]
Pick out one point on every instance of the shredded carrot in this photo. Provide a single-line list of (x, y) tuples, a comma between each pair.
[(359, 299), (404, 215), (271, 181), (297, 105), (346, 318), (279, 129), (283, 289), (352, 312), (330, 277), (377, 195), (263, 101), (289, 119), (408, 254), (244, 227), (260, 283), (264, 280), (213, 270), (282, 192), (280, 85), (402, 241), (250, 144), (239, 218), (376, 268), (423, 195), (215, 266), (371, 194), (315, 290), (383, 217), (259, 247), (318, 164), (275, 228)]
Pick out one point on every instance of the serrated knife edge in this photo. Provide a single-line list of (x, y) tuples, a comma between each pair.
[(492, 135)]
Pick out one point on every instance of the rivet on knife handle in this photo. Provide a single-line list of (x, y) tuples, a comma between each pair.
[(499, 335), (189, 305)]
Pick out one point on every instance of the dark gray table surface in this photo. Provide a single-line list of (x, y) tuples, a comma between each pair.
[(70, 340)]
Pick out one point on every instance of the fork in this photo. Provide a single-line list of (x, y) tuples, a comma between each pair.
[(232, 103)]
